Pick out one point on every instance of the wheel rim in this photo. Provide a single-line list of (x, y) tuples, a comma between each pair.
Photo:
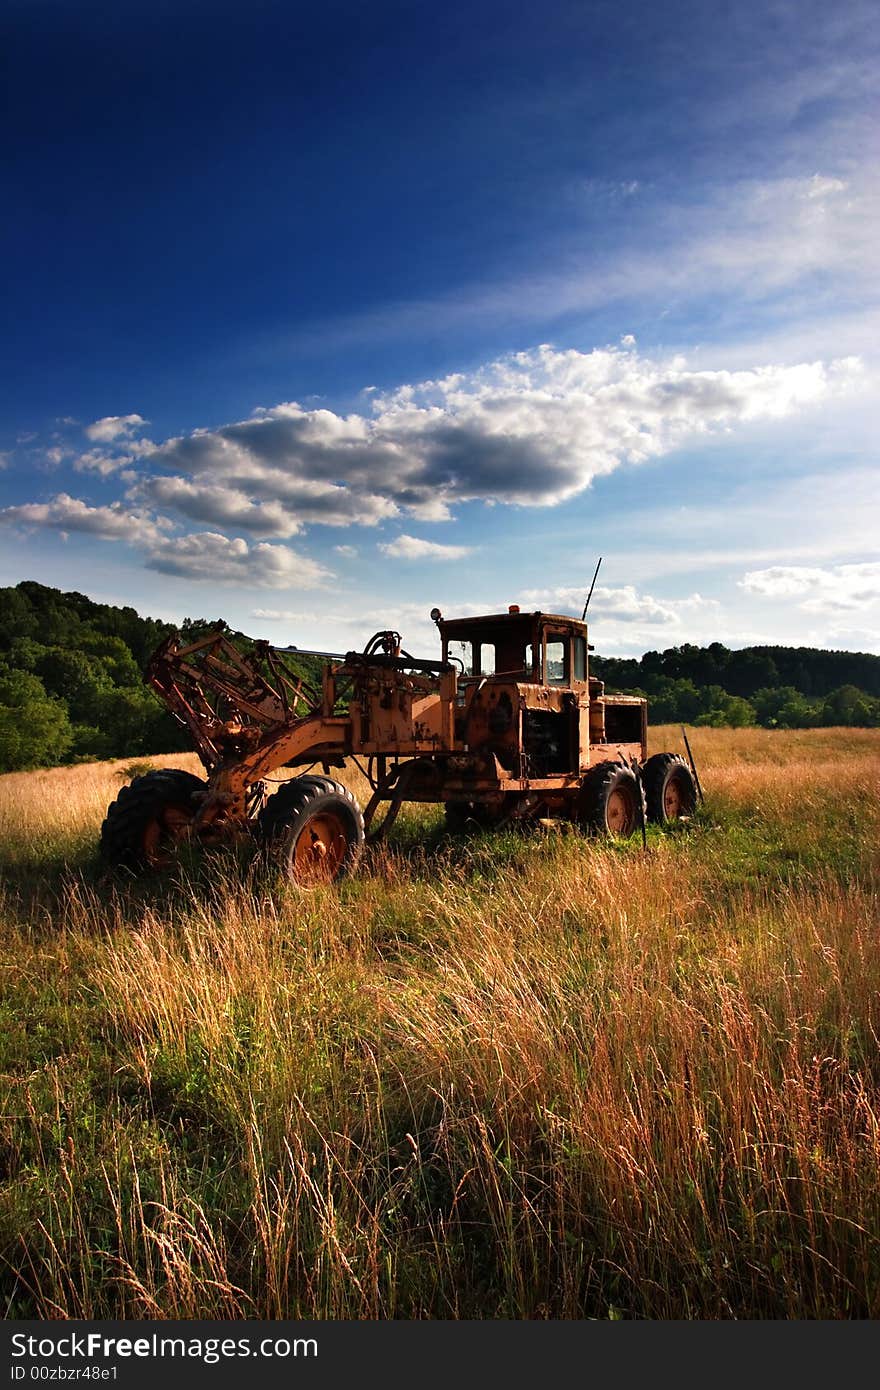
[(620, 811), (678, 797), (319, 851), (673, 800), (164, 833)]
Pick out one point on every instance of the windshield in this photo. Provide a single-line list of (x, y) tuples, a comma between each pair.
[(503, 654)]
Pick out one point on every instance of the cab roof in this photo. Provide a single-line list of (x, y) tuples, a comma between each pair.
[(527, 619)]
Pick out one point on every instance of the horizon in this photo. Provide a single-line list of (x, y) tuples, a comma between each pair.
[(325, 323), (594, 647)]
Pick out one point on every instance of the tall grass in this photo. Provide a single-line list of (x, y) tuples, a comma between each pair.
[(521, 1075)]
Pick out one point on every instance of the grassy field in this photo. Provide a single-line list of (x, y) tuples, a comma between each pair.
[(524, 1075)]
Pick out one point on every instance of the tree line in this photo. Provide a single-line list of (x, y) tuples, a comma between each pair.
[(776, 687), (71, 682)]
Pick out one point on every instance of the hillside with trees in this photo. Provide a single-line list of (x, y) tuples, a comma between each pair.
[(776, 687), (71, 682)]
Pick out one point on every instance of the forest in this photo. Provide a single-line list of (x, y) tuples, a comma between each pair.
[(71, 682)]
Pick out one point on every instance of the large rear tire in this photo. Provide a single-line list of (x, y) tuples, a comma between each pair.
[(314, 828), (149, 819), (611, 800), (669, 787)]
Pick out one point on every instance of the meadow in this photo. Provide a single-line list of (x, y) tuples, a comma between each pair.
[(512, 1075)]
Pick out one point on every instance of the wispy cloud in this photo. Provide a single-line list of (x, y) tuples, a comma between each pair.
[(808, 238), (412, 548), (817, 589), (625, 604), (113, 427)]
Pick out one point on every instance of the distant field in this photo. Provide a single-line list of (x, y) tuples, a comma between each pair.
[(516, 1075)]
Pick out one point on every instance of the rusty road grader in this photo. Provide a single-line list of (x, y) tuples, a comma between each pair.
[(505, 725)]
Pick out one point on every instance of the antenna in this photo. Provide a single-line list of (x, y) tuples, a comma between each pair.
[(592, 587)]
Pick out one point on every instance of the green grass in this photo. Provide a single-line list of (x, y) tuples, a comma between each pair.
[(512, 1075)]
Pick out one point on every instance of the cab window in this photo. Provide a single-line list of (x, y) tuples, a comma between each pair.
[(462, 652), (477, 658), (580, 658), (556, 661)]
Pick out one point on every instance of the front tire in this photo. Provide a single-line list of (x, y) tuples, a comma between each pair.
[(314, 828), (669, 787), (149, 819), (611, 800)]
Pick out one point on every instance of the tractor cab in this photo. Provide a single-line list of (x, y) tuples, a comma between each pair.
[(523, 690), (530, 648), (525, 697)]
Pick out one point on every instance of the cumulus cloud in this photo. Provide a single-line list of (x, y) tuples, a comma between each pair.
[(411, 548), (348, 552), (265, 500), (66, 513), (204, 555), (625, 604), (832, 589), (532, 429), (113, 427), (106, 459), (209, 557), (228, 507)]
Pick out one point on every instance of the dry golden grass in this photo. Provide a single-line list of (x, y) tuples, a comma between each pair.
[(517, 1076)]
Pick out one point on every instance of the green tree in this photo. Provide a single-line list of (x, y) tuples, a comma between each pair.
[(727, 711), (34, 729), (673, 701), (18, 617), (77, 679), (130, 720), (852, 707)]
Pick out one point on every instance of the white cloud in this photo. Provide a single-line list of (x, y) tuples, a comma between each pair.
[(228, 507), (257, 485), (211, 558), (532, 429), (819, 186), (114, 427), (743, 242), (348, 552), (203, 556), (278, 615), (111, 458), (835, 589), (411, 548), (624, 604), (100, 462), (71, 514)]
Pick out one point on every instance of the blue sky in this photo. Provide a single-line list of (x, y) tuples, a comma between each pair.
[(319, 317)]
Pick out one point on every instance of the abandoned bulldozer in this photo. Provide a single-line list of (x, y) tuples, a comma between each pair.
[(506, 725)]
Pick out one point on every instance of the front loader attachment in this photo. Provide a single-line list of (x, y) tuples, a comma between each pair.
[(229, 700)]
